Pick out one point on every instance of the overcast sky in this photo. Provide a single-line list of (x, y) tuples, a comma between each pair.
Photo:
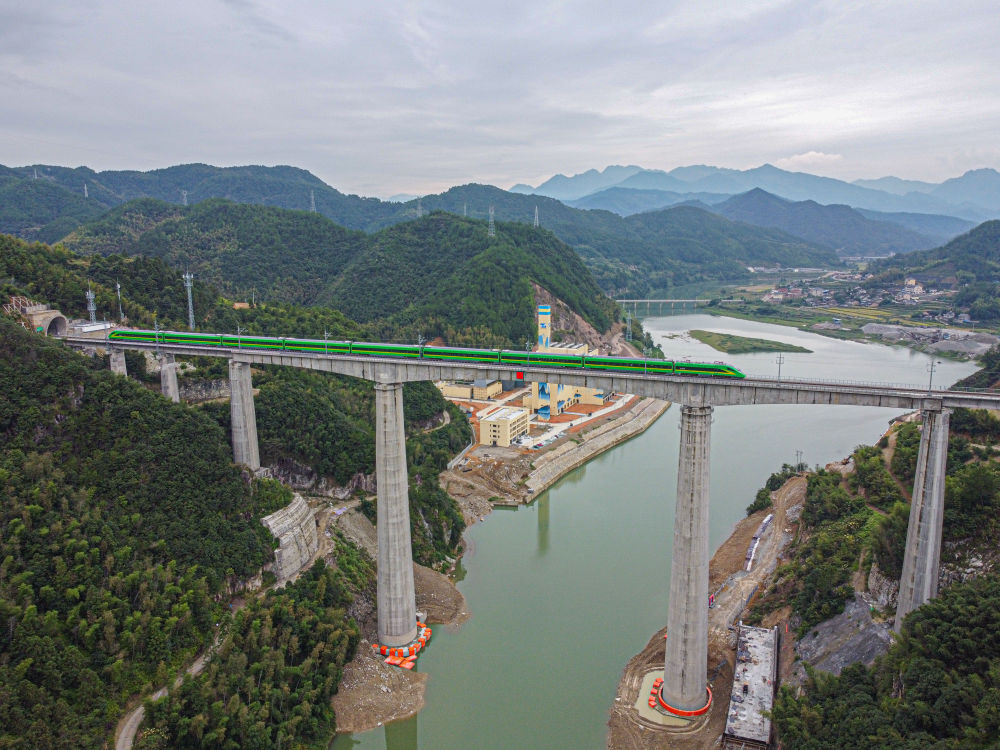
[(385, 97)]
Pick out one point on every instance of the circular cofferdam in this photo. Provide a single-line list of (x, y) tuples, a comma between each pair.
[(57, 326)]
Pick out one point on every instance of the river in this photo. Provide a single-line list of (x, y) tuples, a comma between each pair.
[(565, 591)]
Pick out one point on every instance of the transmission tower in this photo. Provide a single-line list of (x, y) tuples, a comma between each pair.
[(536, 217), (420, 207), (35, 172), (493, 227), (184, 197), (312, 201), (628, 325), (85, 190), (91, 304), (118, 288), (188, 279), (465, 209)]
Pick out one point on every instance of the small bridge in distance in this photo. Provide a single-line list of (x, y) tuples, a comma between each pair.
[(659, 304)]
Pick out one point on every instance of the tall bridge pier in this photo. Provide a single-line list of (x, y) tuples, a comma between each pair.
[(168, 378), (922, 556), (397, 608), (685, 674), (246, 450), (117, 359)]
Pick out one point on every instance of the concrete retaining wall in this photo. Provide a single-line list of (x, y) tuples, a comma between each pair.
[(295, 529)]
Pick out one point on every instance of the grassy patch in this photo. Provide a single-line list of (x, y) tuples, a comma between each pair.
[(726, 342)]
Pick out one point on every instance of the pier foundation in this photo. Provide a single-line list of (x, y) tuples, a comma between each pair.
[(243, 416), (168, 378), (397, 607), (922, 556), (685, 666), (117, 359)]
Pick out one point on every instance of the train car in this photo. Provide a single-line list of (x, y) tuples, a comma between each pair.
[(543, 359), (440, 353), (460, 354)]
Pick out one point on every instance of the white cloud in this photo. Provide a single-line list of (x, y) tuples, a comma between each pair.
[(809, 161), (417, 95)]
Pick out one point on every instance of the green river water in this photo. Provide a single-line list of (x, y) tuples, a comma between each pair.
[(565, 591)]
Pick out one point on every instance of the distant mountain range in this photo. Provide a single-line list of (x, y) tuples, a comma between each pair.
[(627, 252), (974, 196)]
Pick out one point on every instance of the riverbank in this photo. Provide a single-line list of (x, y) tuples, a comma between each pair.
[(632, 728), (373, 693)]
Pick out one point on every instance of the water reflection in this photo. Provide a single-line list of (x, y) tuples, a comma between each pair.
[(401, 735), (542, 507)]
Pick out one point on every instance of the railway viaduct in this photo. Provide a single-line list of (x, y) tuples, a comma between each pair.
[(685, 665)]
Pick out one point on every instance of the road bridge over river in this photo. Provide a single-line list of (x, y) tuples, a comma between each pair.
[(685, 672)]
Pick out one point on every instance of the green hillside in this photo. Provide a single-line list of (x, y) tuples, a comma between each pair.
[(643, 253), (40, 210), (969, 263), (440, 275), (122, 517), (605, 240)]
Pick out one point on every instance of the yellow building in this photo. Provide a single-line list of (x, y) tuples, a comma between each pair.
[(478, 389), (551, 399), (503, 426)]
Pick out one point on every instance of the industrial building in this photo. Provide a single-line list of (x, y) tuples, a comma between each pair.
[(551, 399), (503, 426)]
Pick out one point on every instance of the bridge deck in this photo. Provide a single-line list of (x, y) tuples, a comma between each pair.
[(687, 390)]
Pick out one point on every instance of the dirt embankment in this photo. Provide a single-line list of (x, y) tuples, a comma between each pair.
[(732, 585)]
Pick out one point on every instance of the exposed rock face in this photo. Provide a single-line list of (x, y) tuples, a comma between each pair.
[(194, 391), (884, 591), (300, 477), (295, 528), (848, 638), (579, 330)]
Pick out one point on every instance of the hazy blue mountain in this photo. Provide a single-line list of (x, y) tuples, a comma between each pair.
[(838, 227), (628, 201), (974, 197), (896, 186), (568, 188), (977, 187), (943, 228)]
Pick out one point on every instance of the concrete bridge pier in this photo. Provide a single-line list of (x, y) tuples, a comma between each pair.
[(117, 358), (168, 378), (397, 605), (685, 668), (243, 416), (922, 556)]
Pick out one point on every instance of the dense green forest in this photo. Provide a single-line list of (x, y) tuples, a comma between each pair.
[(107, 577), (938, 687), (39, 210), (849, 523), (440, 275), (270, 683), (969, 263)]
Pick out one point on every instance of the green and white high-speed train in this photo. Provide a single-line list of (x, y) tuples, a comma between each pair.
[(441, 353)]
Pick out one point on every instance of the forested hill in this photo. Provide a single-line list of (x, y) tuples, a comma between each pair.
[(643, 253), (122, 516), (970, 263), (974, 256), (441, 275), (622, 261)]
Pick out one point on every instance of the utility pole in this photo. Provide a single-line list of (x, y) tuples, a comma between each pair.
[(326, 337), (188, 280), (239, 332), (798, 460), (930, 368), (118, 289), (91, 304), (628, 325), (780, 359)]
